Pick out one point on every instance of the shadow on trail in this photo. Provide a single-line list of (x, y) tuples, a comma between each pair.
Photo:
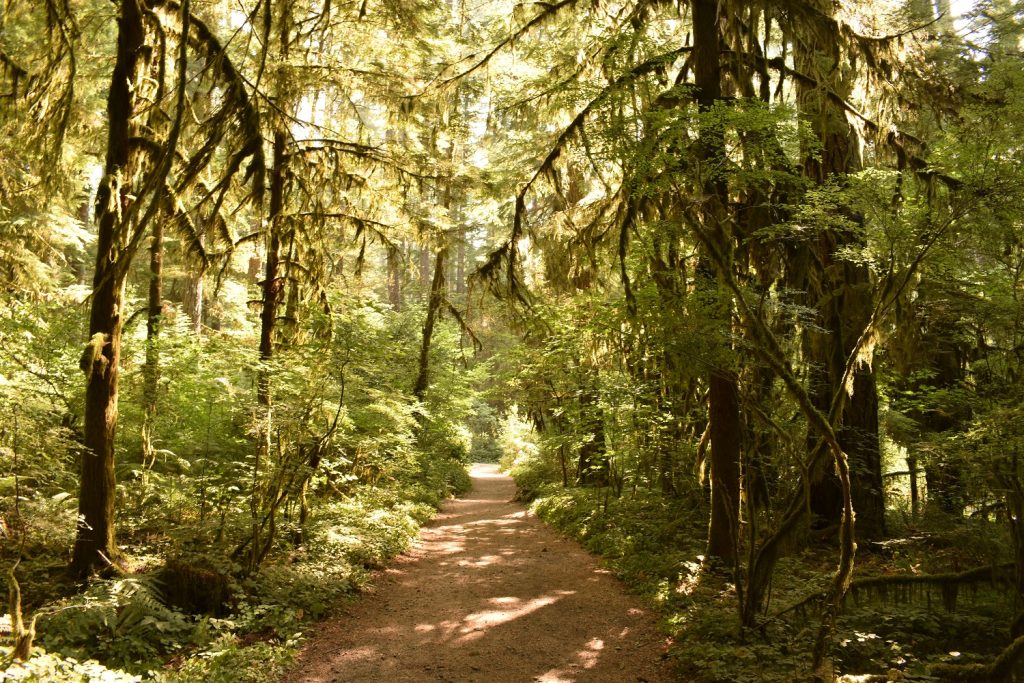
[(490, 594)]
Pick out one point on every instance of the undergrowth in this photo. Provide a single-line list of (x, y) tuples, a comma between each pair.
[(654, 545), (127, 629)]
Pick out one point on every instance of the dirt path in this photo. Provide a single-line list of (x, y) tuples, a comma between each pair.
[(489, 594)]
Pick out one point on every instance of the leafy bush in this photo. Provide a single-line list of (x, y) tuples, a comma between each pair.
[(383, 464), (229, 660), (443, 478), (121, 622), (485, 427), (46, 667), (646, 539), (533, 465)]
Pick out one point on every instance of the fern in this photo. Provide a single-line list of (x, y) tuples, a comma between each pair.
[(121, 621)]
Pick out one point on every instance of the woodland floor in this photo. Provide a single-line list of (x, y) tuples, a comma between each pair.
[(489, 594)]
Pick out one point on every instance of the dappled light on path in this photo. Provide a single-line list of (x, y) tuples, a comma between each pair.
[(489, 594)]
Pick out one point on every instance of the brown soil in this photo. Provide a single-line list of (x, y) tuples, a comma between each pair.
[(489, 594)]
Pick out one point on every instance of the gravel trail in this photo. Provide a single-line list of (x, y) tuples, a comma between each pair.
[(489, 594)]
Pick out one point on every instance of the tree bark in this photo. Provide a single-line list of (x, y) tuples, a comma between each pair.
[(433, 308), (272, 269), (291, 329), (395, 277), (592, 467), (840, 291), (723, 528), (460, 265), (860, 440), (424, 269), (265, 499), (95, 547), (151, 370), (723, 401), (192, 298), (915, 495)]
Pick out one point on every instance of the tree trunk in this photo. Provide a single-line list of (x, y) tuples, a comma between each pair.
[(395, 277), (95, 547), (151, 370), (460, 266), (81, 260), (272, 270), (858, 429), (291, 330), (593, 460), (433, 308), (424, 270), (845, 306), (264, 497), (192, 298), (724, 410), (840, 291), (193, 301), (859, 439), (723, 401), (915, 495)]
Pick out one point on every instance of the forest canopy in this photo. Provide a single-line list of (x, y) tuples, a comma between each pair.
[(733, 289)]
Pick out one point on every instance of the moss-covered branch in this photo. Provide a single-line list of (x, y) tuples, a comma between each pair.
[(948, 583), (1001, 669)]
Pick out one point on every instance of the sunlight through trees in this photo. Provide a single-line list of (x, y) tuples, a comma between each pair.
[(732, 289)]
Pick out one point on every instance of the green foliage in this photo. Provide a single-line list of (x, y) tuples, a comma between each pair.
[(655, 546), (122, 622), (229, 660), (381, 474), (910, 636), (369, 529), (484, 426), (647, 540), (533, 468), (46, 667), (442, 479), (39, 380), (125, 623)]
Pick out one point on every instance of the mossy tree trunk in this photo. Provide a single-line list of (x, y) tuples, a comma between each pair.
[(437, 296), (592, 466), (394, 266), (192, 293), (151, 370), (723, 396), (272, 285), (841, 293), (95, 546), (272, 288)]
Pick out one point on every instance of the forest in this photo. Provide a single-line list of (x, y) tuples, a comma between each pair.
[(732, 289)]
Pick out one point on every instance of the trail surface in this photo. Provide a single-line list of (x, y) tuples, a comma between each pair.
[(489, 594)]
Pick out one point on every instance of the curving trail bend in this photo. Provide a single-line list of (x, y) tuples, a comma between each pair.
[(489, 594)]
